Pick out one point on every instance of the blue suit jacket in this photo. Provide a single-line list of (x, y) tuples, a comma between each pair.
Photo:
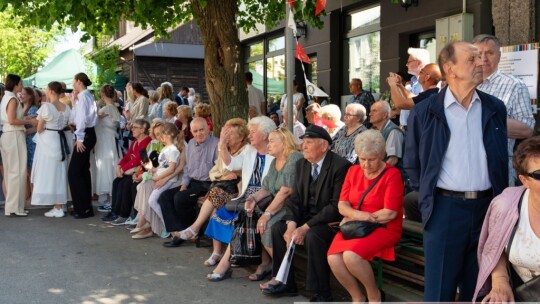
[(427, 141)]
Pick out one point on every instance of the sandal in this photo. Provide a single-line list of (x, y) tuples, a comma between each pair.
[(267, 284), (187, 234), (216, 277), (255, 277), (213, 259)]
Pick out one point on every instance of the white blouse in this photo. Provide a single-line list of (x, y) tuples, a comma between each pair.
[(525, 250)]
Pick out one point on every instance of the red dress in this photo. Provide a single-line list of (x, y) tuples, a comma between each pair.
[(386, 194)]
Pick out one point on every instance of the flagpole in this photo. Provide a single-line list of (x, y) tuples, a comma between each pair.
[(289, 65)]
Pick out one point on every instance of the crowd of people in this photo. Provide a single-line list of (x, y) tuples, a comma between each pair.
[(448, 164)]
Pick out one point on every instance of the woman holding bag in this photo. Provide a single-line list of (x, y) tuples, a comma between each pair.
[(381, 203), (278, 183), (254, 161)]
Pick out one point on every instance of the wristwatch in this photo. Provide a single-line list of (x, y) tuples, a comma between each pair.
[(268, 213)]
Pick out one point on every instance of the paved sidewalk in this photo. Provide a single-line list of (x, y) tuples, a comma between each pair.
[(65, 260)]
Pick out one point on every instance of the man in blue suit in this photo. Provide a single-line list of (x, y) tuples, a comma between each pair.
[(456, 157)]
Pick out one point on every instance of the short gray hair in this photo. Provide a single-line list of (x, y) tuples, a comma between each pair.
[(385, 107), (370, 141), (421, 55), (359, 110), (264, 124), (483, 38)]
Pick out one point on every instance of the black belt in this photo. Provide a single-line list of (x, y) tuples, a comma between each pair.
[(200, 182), (465, 194), (63, 141)]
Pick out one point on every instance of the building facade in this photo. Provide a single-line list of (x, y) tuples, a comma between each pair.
[(368, 39)]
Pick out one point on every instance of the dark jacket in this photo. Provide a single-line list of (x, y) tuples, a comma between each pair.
[(427, 141), (331, 178)]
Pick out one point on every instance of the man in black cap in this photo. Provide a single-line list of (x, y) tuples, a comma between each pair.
[(312, 205)]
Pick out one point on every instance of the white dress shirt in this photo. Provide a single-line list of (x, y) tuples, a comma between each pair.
[(84, 114), (464, 166)]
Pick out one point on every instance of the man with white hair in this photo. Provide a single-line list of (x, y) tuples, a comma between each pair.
[(393, 135), (418, 58), (512, 91)]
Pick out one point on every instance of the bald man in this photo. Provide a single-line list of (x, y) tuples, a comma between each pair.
[(178, 204), (428, 77)]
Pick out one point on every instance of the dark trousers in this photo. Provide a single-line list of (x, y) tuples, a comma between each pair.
[(80, 182), (450, 248), (410, 207), (317, 241), (178, 207), (123, 196)]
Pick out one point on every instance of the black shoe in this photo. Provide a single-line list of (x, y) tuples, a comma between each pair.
[(175, 242), (109, 217), (280, 290), (321, 298), (87, 214)]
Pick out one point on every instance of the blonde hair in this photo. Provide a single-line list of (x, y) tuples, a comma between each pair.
[(288, 140), (155, 124), (166, 91), (240, 125), (185, 110), (202, 110)]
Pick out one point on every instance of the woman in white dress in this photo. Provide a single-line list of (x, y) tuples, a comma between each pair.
[(107, 152), (49, 169)]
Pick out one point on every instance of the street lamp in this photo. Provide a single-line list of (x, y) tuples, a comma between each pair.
[(408, 3), (301, 29)]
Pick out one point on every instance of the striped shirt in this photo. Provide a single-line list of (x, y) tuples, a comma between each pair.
[(515, 95)]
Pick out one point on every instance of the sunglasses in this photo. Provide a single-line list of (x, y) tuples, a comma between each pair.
[(535, 175)]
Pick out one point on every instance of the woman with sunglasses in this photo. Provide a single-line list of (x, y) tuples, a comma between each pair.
[(509, 246)]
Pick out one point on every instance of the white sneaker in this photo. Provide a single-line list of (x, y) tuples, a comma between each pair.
[(55, 213)]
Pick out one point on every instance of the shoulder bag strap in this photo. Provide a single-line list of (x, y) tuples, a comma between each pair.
[(515, 226), (371, 187)]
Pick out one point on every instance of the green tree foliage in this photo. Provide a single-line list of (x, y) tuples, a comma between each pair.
[(219, 21), (23, 47)]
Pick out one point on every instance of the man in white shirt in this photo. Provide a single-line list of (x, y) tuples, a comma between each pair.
[(512, 91), (418, 58), (257, 102), (456, 158)]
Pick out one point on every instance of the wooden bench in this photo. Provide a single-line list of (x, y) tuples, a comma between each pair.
[(409, 264)]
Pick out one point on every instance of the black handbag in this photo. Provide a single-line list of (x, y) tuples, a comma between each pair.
[(246, 246), (238, 204), (527, 291), (360, 229)]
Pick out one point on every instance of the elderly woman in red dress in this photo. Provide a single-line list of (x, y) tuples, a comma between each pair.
[(349, 259)]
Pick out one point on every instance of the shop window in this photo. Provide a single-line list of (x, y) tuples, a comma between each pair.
[(362, 49)]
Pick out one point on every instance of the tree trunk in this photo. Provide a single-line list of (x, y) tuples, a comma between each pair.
[(223, 67)]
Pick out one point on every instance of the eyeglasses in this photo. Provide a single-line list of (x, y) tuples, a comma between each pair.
[(349, 115), (409, 62), (136, 127), (535, 175)]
